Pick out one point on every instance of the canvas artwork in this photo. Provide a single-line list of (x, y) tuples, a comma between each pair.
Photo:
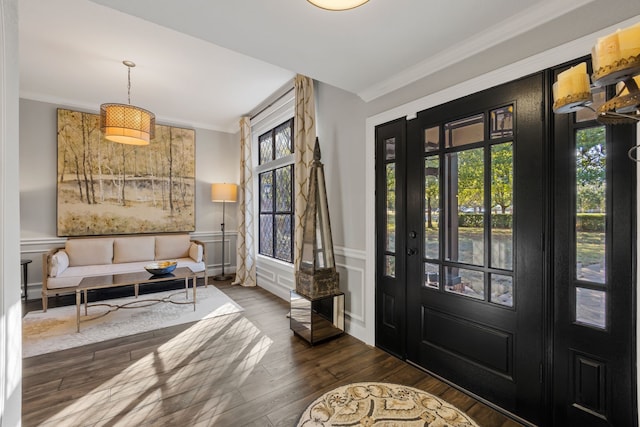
[(110, 188)]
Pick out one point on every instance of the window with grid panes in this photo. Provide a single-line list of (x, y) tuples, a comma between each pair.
[(276, 204)]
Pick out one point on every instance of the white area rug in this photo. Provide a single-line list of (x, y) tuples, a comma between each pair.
[(56, 329)]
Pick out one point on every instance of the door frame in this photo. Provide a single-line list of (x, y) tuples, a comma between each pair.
[(408, 107)]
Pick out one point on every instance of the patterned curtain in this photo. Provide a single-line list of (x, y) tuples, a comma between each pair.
[(246, 260), (305, 136)]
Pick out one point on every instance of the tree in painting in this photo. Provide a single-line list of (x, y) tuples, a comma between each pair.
[(110, 188)]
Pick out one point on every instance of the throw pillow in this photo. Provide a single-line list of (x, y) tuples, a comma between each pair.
[(195, 252), (59, 263)]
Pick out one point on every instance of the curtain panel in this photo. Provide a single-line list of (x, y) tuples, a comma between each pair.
[(246, 259), (305, 136)]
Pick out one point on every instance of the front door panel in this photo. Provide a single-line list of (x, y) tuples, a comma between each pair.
[(475, 200)]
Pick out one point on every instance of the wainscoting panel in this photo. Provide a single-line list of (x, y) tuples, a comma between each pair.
[(351, 264), (277, 277), (213, 242)]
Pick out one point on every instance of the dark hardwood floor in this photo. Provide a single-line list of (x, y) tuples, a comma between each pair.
[(244, 369)]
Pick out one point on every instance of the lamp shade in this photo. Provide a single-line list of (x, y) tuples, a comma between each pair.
[(224, 192), (337, 4), (127, 124)]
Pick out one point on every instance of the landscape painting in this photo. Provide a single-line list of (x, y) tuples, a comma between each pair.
[(110, 188)]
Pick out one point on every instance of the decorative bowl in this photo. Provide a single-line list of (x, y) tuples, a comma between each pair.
[(161, 267)]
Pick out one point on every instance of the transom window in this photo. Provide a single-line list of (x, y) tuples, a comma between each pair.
[(275, 180)]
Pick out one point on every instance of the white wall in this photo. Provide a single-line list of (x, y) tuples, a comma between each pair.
[(217, 160), (341, 132), (10, 307)]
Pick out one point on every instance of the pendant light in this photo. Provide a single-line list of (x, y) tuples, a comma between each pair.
[(337, 4), (125, 123)]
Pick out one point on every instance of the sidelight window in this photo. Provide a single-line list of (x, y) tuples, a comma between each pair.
[(390, 242), (590, 225)]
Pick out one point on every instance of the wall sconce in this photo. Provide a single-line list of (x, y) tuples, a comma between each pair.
[(616, 60)]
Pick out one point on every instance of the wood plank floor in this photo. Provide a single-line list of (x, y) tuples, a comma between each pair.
[(244, 369)]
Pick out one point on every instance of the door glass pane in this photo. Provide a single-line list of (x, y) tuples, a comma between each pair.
[(502, 290), (464, 131), (431, 275), (464, 233), (502, 122), (590, 204), (432, 139), (465, 282), (390, 266), (390, 148), (432, 207), (591, 307), (502, 206), (391, 207)]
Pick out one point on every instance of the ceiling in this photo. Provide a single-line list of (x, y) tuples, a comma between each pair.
[(205, 63)]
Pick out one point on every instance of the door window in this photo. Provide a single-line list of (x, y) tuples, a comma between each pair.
[(469, 206)]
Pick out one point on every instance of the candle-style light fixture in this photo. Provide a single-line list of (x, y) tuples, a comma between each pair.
[(125, 123), (616, 60), (337, 4)]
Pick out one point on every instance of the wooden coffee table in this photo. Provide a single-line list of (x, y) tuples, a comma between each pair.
[(135, 279)]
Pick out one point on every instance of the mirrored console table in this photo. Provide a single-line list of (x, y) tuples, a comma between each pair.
[(317, 319)]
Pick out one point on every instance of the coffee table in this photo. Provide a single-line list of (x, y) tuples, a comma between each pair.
[(135, 279)]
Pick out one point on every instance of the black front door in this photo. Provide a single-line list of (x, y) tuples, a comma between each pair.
[(460, 220), (475, 281), (506, 253)]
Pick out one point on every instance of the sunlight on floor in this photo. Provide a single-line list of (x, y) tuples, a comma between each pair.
[(191, 378)]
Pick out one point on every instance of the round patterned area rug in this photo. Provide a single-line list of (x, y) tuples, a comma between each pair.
[(381, 404)]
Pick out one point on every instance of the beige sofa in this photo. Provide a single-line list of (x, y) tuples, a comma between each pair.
[(64, 268)]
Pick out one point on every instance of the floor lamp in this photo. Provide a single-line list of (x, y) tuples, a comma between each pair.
[(223, 193)]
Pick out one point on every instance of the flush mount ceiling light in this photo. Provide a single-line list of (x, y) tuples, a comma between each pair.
[(337, 4), (125, 123)]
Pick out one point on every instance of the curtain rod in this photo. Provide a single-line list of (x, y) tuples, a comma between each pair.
[(271, 103)]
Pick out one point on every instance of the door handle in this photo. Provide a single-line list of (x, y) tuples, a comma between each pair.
[(413, 234), (411, 251)]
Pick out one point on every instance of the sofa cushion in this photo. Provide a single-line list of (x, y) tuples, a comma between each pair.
[(196, 252), (132, 249), (59, 263), (89, 251), (172, 246)]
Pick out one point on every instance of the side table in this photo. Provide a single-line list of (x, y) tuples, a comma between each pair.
[(318, 319), (24, 262)]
